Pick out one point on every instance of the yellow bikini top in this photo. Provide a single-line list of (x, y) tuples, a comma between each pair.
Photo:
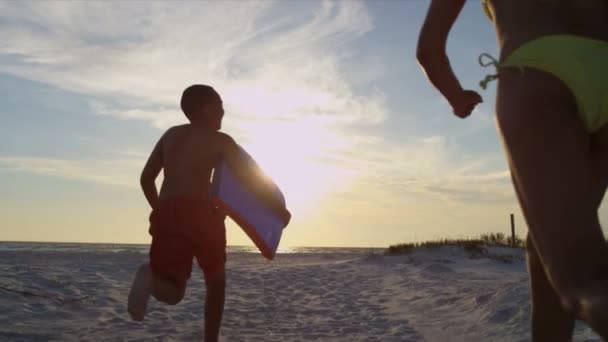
[(487, 9)]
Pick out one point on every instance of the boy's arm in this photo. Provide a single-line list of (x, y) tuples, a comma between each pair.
[(431, 54), (150, 172)]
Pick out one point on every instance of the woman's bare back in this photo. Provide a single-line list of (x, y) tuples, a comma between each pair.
[(519, 21)]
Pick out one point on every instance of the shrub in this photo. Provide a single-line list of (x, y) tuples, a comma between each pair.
[(470, 245)]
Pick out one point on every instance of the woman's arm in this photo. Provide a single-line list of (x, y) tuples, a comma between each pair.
[(431, 54)]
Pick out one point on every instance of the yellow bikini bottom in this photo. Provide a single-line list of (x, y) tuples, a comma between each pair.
[(581, 63)]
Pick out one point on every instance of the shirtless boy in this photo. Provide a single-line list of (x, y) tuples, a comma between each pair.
[(183, 223)]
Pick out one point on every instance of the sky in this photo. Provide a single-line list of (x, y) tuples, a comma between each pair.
[(327, 96)]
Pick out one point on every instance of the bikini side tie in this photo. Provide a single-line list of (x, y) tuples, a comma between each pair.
[(492, 62)]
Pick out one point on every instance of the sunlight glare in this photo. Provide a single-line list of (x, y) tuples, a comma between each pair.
[(292, 139), (294, 155)]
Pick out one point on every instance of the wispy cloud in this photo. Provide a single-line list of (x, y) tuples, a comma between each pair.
[(427, 168), (143, 56), (279, 63), (121, 172)]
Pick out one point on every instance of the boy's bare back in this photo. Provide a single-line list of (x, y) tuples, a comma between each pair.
[(188, 155)]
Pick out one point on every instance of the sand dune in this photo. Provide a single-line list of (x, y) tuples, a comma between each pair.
[(441, 294)]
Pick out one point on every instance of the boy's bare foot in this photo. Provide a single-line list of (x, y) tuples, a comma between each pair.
[(140, 292)]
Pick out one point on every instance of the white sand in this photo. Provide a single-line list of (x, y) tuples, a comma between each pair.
[(430, 295)]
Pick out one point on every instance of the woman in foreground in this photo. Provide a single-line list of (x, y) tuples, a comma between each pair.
[(552, 114)]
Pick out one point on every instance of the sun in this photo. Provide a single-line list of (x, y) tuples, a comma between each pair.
[(297, 156), (286, 132)]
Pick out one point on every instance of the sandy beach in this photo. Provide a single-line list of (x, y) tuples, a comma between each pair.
[(77, 292)]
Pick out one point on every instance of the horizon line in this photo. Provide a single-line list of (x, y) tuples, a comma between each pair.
[(139, 243)]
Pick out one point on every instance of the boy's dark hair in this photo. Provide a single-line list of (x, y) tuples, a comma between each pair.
[(194, 96)]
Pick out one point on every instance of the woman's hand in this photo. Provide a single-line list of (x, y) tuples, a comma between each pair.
[(464, 103)]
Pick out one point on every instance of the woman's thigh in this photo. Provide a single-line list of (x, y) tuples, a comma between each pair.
[(549, 152)]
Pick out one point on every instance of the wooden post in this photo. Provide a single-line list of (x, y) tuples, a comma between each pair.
[(512, 231)]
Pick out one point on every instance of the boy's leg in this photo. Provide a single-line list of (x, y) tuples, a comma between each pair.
[(549, 152), (171, 263), (169, 290), (211, 257), (140, 292), (214, 305), (165, 277), (146, 283)]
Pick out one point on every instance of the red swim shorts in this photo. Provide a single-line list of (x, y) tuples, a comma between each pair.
[(183, 228)]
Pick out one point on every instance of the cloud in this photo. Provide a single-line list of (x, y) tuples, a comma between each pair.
[(427, 168), (280, 65), (141, 57), (121, 171), (158, 117)]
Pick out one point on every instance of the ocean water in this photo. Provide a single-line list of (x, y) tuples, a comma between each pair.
[(111, 248)]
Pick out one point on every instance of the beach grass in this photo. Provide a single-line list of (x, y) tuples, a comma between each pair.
[(469, 244)]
